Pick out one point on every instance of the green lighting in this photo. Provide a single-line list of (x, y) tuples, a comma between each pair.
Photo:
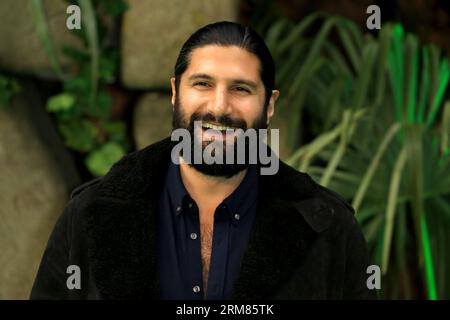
[(444, 77), (429, 272)]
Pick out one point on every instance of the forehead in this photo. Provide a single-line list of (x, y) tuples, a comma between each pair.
[(229, 62)]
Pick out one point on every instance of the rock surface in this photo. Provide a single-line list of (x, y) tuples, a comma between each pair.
[(152, 119), (153, 32), (37, 175)]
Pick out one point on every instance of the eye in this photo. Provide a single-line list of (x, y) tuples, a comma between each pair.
[(201, 84), (242, 89)]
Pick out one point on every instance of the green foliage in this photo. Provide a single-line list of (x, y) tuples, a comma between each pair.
[(99, 161), (114, 8), (377, 108), (79, 134), (61, 102), (116, 130), (83, 108), (108, 65), (8, 88)]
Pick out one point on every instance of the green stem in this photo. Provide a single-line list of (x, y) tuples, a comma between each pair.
[(38, 13), (429, 271), (90, 23)]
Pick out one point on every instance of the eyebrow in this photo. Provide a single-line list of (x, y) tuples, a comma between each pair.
[(198, 76)]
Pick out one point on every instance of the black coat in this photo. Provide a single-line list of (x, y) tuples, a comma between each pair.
[(305, 242)]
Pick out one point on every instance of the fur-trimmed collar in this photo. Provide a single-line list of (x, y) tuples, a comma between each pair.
[(122, 227)]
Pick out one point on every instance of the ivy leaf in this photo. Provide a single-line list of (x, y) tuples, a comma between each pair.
[(8, 88), (79, 134), (78, 85), (61, 102), (67, 115), (101, 160)]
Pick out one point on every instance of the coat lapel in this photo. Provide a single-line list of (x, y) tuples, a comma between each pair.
[(281, 235), (122, 228), (122, 225)]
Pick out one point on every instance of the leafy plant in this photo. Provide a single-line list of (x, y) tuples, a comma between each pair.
[(83, 108), (377, 109), (8, 88)]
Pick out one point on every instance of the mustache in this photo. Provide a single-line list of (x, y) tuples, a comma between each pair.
[(223, 120)]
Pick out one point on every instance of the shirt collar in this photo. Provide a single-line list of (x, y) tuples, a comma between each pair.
[(237, 203)]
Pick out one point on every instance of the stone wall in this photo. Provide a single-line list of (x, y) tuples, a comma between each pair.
[(21, 50), (153, 32), (37, 174)]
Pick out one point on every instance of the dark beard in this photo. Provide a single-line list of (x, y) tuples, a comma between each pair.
[(216, 169)]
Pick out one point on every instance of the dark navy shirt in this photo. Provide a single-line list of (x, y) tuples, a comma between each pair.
[(179, 252)]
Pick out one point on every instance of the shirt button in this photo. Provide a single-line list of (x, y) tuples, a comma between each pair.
[(237, 216), (196, 289), (193, 236), (178, 209)]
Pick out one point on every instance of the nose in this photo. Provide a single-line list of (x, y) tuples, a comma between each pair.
[(220, 104)]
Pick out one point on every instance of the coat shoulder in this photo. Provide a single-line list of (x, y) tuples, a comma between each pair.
[(78, 190), (319, 206), (303, 183), (330, 194)]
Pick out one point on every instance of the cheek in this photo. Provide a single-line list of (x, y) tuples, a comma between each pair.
[(250, 109), (192, 100)]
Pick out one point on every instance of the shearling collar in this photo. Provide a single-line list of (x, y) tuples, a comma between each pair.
[(121, 227)]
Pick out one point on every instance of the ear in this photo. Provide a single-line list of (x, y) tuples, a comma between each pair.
[(174, 90), (271, 106)]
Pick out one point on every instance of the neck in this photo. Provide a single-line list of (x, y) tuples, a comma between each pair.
[(208, 191)]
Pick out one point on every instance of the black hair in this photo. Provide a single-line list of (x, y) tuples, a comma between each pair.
[(227, 33)]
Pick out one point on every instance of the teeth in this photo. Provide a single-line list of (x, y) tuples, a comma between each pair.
[(215, 127)]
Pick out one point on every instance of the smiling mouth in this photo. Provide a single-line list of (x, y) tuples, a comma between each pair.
[(217, 131), (209, 125)]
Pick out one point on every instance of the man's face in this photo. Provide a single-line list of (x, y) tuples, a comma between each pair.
[(221, 87)]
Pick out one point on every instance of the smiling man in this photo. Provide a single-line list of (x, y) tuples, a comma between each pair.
[(163, 229)]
